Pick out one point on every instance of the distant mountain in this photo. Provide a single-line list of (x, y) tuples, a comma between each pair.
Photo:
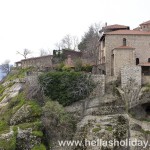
[(1, 75)]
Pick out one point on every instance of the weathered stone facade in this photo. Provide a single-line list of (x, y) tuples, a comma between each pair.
[(139, 42), (122, 56), (39, 62), (124, 47), (100, 85), (130, 73)]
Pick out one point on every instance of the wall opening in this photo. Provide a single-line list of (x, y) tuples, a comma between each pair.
[(124, 42), (137, 61), (112, 64), (148, 59)]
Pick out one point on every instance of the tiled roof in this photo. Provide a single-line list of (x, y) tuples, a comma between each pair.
[(36, 57), (116, 26), (144, 64), (147, 22), (128, 32), (124, 47)]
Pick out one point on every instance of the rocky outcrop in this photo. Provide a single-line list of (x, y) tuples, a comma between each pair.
[(10, 92), (7, 136), (20, 116), (26, 140)]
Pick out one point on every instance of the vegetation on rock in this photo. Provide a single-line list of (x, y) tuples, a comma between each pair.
[(66, 87), (57, 123)]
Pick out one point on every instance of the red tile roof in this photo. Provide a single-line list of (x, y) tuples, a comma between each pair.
[(145, 64), (128, 32), (116, 26), (147, 22), (45, 56), (124, 47)]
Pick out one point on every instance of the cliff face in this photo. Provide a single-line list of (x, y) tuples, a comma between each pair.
[(28, 119), (20, 126), (31, 121), (104, 117)]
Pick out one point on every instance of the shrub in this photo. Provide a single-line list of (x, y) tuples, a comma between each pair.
[(87, 68), (60, 66), (78, 65), (9, 144), (57, 123), (95, 130), (39, 147), (66, 87), (66, 68)]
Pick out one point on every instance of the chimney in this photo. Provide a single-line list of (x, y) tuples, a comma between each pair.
[(69, 61), (105, 24)]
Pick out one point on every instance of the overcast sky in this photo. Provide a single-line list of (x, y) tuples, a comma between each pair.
[(37, 24)]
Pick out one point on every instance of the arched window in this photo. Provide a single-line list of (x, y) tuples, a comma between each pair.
[(148, 59), (137, 61), (124, 42)]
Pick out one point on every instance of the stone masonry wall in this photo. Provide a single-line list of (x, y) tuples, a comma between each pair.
[(122, 57), (141, 43), (129, 72), (100, 85)]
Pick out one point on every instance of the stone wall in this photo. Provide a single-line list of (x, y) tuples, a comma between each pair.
[(139, 42), (100, 85), (130, 72), (145, 79), (40, 62), (122, 56)]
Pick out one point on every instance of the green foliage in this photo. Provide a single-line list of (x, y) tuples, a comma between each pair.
[(36, 126), (66, 87), (17, 101), (3, 125), (58, 124), (2, 88), (37, 133), (95, 130), (120, 128), (66, 68), (147, 88), (60, 66), (9, 144), (10, 109), (35, 109), (2, 97), (87, 68), (78, 65), (39, 147), (18, 73), (145, 131), (109, 128)]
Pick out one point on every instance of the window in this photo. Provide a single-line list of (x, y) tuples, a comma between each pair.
[(124, 42), (137, 61), (149, 60)]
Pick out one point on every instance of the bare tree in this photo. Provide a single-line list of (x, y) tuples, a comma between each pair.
[(43, 52), (75, 42), (58, 45), (25, 53), (131, 94), (89, 44), (5, 67), (67, 41)]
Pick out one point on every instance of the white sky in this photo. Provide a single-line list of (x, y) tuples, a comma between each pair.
[(36, 24)]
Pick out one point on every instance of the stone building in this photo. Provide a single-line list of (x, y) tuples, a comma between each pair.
[(50, 61), (39, 62), (120, 46)]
